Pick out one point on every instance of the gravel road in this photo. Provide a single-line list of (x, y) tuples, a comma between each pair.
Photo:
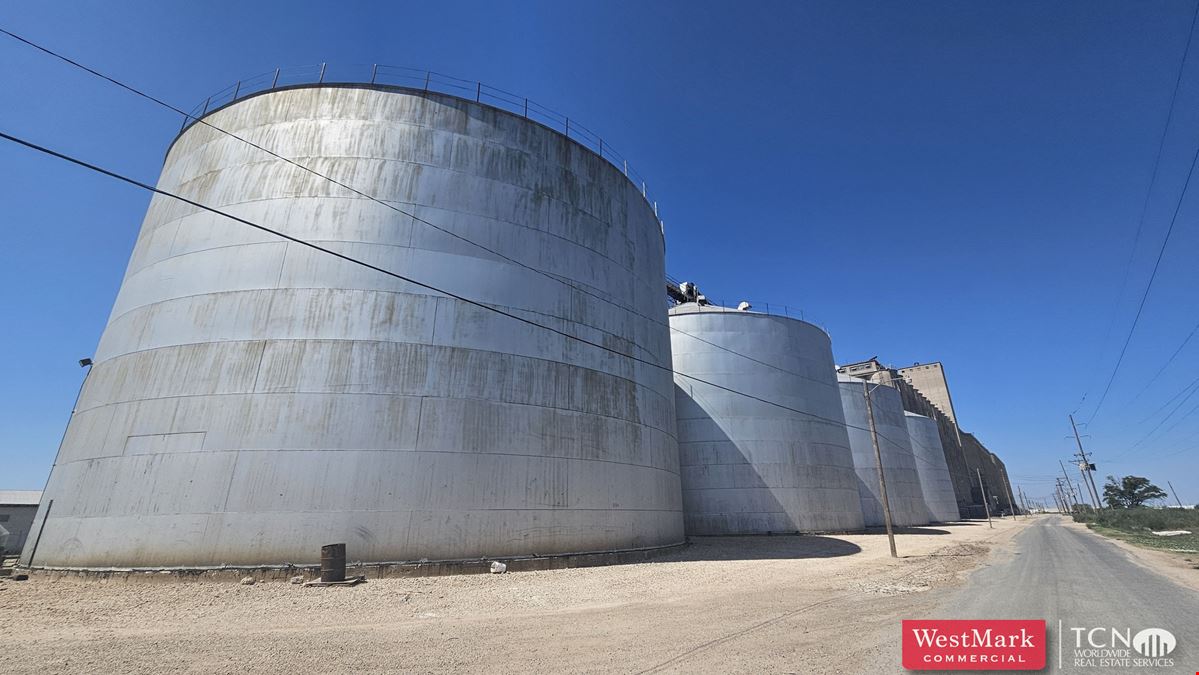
[(761, 604), (1059, 571)]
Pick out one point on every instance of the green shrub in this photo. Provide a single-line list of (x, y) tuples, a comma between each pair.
[(1142, 519)]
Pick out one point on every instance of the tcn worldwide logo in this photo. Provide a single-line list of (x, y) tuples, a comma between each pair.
[(1108, 647), (974, 645)]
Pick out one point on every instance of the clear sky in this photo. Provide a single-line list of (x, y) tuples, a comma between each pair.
[(953, 181)]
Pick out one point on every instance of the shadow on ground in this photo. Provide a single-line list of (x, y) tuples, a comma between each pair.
[(906, 530), (777, 547)]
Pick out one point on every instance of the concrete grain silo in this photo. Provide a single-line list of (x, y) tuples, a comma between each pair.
[(932, 468), (749, 467), (899, 464), (253, 399)]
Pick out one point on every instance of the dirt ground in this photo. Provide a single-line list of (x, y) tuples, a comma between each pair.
[(778, 604)]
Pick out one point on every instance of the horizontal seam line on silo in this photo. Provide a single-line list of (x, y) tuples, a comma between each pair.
[(367, 393), (664, 397), (134, 274), (487, 509), (114, 319), (602, 256), (395, 450)]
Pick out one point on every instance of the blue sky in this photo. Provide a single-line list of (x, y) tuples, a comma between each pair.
[(929, 181)]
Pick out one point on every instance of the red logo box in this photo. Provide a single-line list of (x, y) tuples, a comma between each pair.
[(974, 645)]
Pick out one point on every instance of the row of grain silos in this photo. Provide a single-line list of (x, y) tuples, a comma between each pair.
[(253, 399), (773, 440)]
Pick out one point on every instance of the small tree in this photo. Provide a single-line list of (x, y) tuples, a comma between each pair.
[(1130, 492)]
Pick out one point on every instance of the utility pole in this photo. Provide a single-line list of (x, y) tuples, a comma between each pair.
[(882, 480), (1083, 471), (1011, 507), (1062, 496), (1175, 493), (983, 490), (1074, 494), (1085, 465)]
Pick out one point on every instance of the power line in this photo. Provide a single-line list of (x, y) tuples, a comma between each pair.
[(1166, 364), (1173, 398), (475, 303), (1194, 388), (1148, 287), (1141, 222), (415, 218), (1161, 144)]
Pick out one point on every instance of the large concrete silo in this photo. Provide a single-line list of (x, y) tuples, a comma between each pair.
[(899, 464), (933, 470), (253, 399), (749, 467)]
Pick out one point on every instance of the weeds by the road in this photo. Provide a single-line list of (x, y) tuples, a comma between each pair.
[(1136, 526)]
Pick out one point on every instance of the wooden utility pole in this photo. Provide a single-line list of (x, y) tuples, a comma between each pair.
[(983, 490), (1010, 506), (882, 479), (1085, 465), (1175, 493), (1074, 495), (1061, 496)]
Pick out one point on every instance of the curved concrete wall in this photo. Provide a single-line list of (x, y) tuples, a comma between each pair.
[(935, 481), (749, 467), (253, 399), (903, 483)]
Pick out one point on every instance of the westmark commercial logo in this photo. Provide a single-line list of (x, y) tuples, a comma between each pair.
[(974, 645)]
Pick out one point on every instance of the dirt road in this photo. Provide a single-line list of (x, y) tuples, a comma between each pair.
[(778, 604)]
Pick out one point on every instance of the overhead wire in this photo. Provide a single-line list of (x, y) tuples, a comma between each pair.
[(1166, 364), (1141, 222)]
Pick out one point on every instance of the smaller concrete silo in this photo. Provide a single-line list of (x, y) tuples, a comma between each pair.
[(935, 480), (899, 463), (750, 467)]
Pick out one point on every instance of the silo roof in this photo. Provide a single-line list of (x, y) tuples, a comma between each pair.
[(20, 497)]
